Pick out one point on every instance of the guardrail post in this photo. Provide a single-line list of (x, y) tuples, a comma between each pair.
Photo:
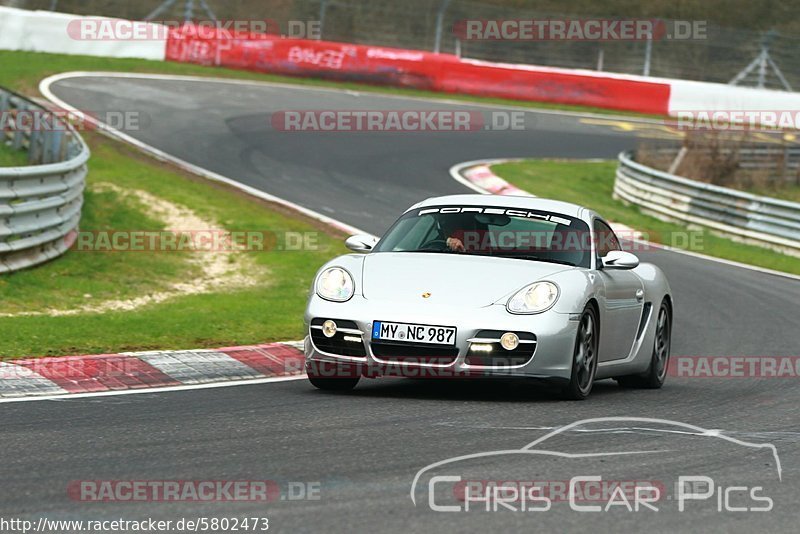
[(35, 147), (52, 145)]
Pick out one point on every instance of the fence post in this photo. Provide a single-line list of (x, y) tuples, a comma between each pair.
[(648, 52), (323, 8), (437, 46)]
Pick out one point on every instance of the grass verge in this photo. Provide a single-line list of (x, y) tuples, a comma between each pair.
[(591, 184), (785, 192), (12, 158), (269, 310)]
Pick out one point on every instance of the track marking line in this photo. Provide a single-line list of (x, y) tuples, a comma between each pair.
[(350, 92), (169, 389), (44, 87)]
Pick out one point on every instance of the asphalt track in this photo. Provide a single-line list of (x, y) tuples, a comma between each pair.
[(365, 448)]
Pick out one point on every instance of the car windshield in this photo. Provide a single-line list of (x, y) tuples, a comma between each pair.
[(491, 231)]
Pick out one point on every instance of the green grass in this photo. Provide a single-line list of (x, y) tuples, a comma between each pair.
[(24, 71), (12, 158), (591, 184), (270, 311), (785, 192)]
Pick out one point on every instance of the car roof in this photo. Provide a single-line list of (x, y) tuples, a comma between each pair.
[(507, 201)]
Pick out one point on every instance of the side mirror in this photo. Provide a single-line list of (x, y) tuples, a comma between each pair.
[(361, 243), (618, 259)]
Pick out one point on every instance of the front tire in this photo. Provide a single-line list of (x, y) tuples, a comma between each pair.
[(332, 377), (656, 374), (584, 357)]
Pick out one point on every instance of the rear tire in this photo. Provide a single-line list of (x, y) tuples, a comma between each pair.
[(332, 377), (584, 357), (656, 374)]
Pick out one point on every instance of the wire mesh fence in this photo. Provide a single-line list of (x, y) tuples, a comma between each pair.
[(739, 159), (719, 56)]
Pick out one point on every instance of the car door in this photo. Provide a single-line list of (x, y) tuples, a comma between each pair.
[(621, 302)]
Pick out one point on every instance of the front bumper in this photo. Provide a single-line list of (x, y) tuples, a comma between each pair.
[(552, 358)]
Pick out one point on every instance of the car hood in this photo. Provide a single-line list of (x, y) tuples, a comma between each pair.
[(451, 279)]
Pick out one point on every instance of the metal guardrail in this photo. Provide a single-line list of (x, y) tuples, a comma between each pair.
[(40, 204), (762, 220)]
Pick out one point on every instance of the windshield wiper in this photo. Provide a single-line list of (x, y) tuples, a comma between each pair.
[(428, 251), (539, 258), (512, 256)]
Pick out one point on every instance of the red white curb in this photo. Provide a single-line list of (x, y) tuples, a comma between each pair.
[(142, 370), (478, 176), (483, 177)]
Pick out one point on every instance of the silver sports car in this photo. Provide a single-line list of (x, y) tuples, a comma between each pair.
[(490, 286)]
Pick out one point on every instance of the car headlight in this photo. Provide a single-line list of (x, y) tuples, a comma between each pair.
[(534, 298), (335, 284)]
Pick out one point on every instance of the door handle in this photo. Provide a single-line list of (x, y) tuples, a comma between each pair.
[(639, 295)]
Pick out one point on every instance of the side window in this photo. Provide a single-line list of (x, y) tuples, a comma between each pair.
[(605, 238)]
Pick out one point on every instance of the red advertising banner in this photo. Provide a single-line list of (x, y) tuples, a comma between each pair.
[(414, 69)]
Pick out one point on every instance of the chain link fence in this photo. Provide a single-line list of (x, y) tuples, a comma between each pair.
[(721, 56)]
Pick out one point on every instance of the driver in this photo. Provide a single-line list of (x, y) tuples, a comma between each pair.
[(452, 228)]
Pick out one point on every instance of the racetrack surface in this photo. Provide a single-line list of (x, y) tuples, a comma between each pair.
[(365, 447)]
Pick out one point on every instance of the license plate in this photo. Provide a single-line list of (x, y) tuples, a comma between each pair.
[(414, 333)]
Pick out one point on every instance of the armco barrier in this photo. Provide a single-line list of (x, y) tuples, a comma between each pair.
[(418, 70), (766, 221), (58, 33), (45, 31), (40, 204), (449, 73)]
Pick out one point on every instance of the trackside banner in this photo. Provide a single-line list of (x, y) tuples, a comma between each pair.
[(413, 69)]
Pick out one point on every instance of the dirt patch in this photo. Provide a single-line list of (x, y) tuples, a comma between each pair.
[(220, 270)]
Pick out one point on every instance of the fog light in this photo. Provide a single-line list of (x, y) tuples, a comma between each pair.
[(329, 328), (480, 347), (509, 341)]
